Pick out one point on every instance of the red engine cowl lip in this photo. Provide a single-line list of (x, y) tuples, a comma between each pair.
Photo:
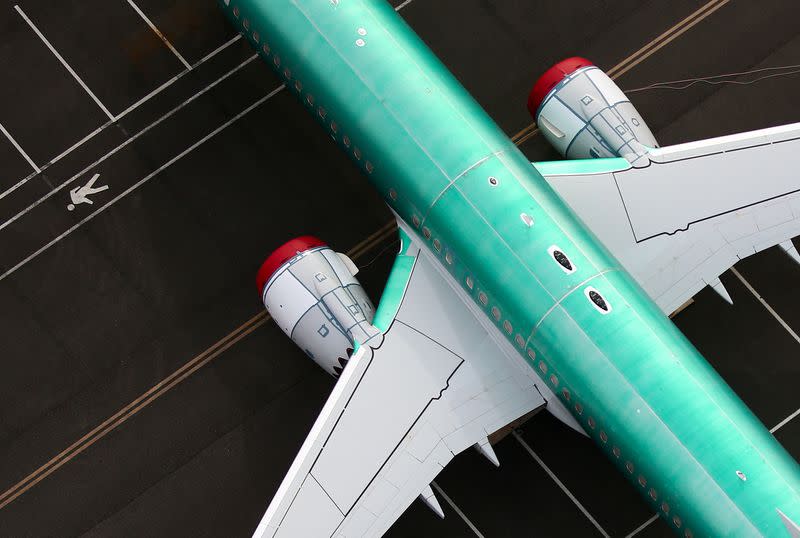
[(551, 78), (282, 254)]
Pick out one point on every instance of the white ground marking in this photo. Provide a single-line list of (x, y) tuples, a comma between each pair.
[(122, 114), (764, 303), (19, 148), (144, 180), (160, 35), (642, 527), (404, 4), (560, 484), (129, 141), (455, 507), (64, 62), (784, 422)]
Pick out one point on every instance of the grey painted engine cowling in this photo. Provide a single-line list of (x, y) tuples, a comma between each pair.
[(312, 294), (584, 114)]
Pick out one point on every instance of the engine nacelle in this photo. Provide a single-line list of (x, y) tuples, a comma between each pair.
[(311, 293), (583, 114)]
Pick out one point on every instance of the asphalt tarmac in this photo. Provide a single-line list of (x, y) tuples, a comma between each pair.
[(142, 392)]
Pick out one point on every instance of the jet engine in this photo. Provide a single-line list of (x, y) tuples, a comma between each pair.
[(583, 114), (311, 293)]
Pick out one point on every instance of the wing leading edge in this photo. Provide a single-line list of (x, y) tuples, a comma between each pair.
[(695, 210), (432, 383)]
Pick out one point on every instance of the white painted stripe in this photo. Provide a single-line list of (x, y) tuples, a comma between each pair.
[(160, 35), (404, 4), (19, 148), (125, 112), (64, 62), (127, 142), (142, 181), (767, 306), (560, 484), (642, 527), (457, 510), (784, 422)]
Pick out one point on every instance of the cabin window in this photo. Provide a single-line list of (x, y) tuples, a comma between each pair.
[(362, 31), (603, 436), (677, 521), (543, 367), (616, 451), (688, 534), (532, 354), (470, 282), (592, 423), (665, 507), (256, 37), (414, 220), (653, 494), (507, 326), (298, 86), (448, 257), (265, 48), (334, 127), (554, 380), (483, 298), (276, 60), (520, 340), (310, 99), (566, 394), (346, 140), (322, 112), (629, 466), (437, 245), (493, 181), (360, 42), (246, 24), (527, 219), (496, 313), (369, 167), (579, 408), (642, 481), (393, 194), (357, 154), (236, 11)]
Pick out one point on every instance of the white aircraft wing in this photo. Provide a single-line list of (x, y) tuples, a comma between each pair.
[(434, 382), (695, 210)]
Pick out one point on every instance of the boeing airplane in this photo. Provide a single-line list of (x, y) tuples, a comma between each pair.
[(517, 286)]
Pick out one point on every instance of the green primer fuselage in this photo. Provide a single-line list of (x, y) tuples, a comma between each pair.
[(639, 388)]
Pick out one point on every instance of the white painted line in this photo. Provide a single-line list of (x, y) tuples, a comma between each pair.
[(784, 422), (19, 148), (764, 303), (142, 181), (64, 62), (457, 510), (128, 141), (560, 484), (642, 527), (124, 113), (404, 4), (160, 35)]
